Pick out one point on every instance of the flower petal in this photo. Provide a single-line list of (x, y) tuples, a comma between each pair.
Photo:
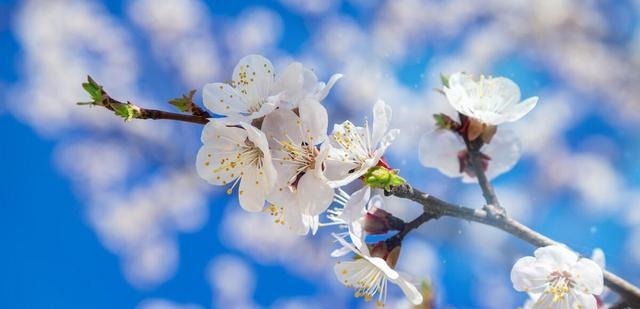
[(253, 78), (517, 111), (582, 301), (439, 149), (591, 279), (222, 99), (409, 290), (382, 266), (252, 192), (530, 275), (314, 195), (282, 126), (315, 121), (556, 256), (381, 122), (290, 83), (216, 134), (355, 207), (323, 90), (505, 151)]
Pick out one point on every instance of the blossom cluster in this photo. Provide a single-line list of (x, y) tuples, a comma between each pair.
[(271, 144)]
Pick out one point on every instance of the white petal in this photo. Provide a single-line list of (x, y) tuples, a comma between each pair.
[(259, 139), (209, 168), (345, 271), (503, 94), (290, 83), (383, 266), (354, 208), (324, 89), (293, 218), (314, 194), (251, 192), (342, 251), (381, 121), (505, 150), (439, 149), (409, 290), (598, 256), (517, 111), (222, 99), (339, 171), (253, 78), (385, 142), (282, 125), (582, 301), (357, 236), (590, 280), (315, 120), (217, 135), (557, 256), (530, 275)]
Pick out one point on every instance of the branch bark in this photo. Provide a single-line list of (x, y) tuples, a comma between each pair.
[(437, 208)]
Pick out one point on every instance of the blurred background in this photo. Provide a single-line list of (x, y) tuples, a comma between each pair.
[(97, 213)]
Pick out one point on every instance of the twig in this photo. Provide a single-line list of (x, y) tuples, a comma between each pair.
[(410, 226), (437, 208)]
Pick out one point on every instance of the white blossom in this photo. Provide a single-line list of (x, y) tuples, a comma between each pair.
[(491, 100), (255, 91), (557, 277), (302, 189), (445, 150), (370, 272), (357, 149), (232, 154)]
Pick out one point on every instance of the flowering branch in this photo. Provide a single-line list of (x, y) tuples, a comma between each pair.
[(130, 111), (272, 145), (437, 208)]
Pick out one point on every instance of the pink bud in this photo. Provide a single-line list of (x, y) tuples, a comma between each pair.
[(377, 221)]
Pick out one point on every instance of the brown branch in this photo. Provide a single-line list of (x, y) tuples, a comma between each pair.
[(158, 114), (436, 207)]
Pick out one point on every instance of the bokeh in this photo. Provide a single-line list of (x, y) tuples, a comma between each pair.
[(97, 213)]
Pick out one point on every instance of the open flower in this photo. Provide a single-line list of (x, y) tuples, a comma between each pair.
[(490, 100), (237, 154), (560, 277), (255, 91), (446, 151), (357, 149), (302, 189), (303, 85), (369, 273)]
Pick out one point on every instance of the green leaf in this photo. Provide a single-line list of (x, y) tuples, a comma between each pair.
[(127, 111), (441, 121), (445, 80), (93, 89), (185, 103)]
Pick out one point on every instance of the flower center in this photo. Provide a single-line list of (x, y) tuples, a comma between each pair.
[(560, 283)]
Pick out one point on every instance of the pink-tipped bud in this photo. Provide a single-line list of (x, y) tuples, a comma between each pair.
[(379, 221)]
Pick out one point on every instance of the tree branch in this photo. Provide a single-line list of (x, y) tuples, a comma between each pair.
[(437, 208)]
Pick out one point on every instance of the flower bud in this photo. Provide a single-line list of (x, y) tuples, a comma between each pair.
[(382, 177), (380, 221), (382, 250)]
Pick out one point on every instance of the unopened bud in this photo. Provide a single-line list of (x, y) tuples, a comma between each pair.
[(382, 178), (380, 221)]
